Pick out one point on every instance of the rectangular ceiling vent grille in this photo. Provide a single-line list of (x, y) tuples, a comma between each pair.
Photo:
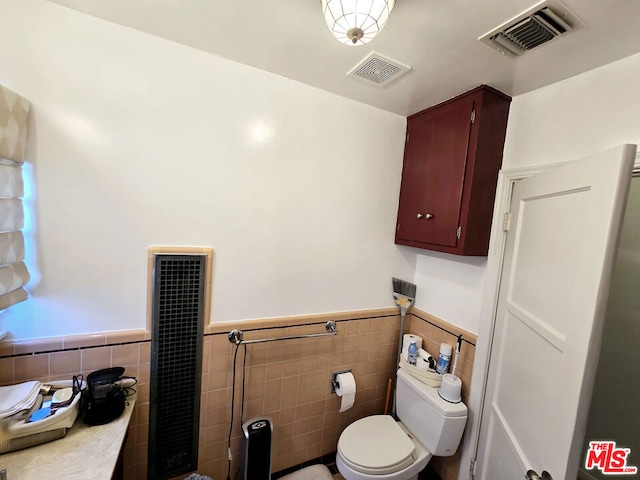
[(537, 26), (378, 70)]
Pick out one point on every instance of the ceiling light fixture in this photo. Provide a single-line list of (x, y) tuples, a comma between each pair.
[(356, 22)]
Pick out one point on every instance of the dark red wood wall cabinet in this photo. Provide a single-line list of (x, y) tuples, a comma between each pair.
[(452, 157)]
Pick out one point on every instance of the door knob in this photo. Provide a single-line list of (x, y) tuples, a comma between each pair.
[(426, 215), (532, 475)]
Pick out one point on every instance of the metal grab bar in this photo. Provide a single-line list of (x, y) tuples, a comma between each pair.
[(236, 336)]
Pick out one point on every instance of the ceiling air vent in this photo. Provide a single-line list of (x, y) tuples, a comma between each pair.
[(537, 26), (378, 70)]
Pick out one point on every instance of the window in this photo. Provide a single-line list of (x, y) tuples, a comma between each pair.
[(14, 111)]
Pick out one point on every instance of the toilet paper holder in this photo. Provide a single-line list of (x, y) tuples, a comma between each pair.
[(334, 383)]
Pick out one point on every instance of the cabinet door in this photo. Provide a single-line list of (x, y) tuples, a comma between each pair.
[(433, 175)]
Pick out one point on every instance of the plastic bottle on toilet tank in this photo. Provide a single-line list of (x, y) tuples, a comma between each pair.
[(412, 352), (444, 358)]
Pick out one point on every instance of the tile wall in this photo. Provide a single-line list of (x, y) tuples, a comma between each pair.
[(288, 381), (62, 358), (434, 332)]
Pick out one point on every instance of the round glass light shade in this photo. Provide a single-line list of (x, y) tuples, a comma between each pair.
[(356, 22)]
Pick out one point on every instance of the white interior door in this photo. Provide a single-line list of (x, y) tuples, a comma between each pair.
[(559, 252)]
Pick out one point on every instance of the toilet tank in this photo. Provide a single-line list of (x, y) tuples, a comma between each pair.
[(435, 423)]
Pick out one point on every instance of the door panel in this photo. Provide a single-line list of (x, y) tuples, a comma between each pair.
[(547, 238), (510, 457), (565, 225), (433, 176)]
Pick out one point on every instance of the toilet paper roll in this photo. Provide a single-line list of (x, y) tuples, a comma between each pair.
[(422, 353), (406, 339), (346, 389)]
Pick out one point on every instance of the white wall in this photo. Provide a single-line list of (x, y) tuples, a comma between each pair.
[(575, 118), (565, 121), (450, 287), (137, 141)]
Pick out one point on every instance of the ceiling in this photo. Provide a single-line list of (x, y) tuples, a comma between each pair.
[(438, 39)]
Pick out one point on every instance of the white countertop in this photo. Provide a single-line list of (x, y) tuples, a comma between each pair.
[(85, 453)]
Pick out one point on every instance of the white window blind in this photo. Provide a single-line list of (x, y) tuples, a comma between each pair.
[(14, 111)]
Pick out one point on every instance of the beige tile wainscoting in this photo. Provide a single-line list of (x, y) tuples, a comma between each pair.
[(288, 381), (60, 358), (434, 332)]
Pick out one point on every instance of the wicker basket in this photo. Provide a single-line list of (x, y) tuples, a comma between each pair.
[(429, 378), (24, 435)]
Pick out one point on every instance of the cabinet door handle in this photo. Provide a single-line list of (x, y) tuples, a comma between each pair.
[(426, 215)]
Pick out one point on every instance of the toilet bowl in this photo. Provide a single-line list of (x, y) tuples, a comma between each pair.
[(380, 448)]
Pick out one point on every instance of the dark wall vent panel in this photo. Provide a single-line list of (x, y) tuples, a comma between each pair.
[(178, 306)]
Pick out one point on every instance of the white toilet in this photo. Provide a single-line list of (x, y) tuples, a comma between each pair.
[(379, 448)]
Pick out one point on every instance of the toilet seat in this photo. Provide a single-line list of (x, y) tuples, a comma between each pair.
[(376, 445)]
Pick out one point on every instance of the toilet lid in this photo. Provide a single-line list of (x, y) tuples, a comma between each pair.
[(376, 445)]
